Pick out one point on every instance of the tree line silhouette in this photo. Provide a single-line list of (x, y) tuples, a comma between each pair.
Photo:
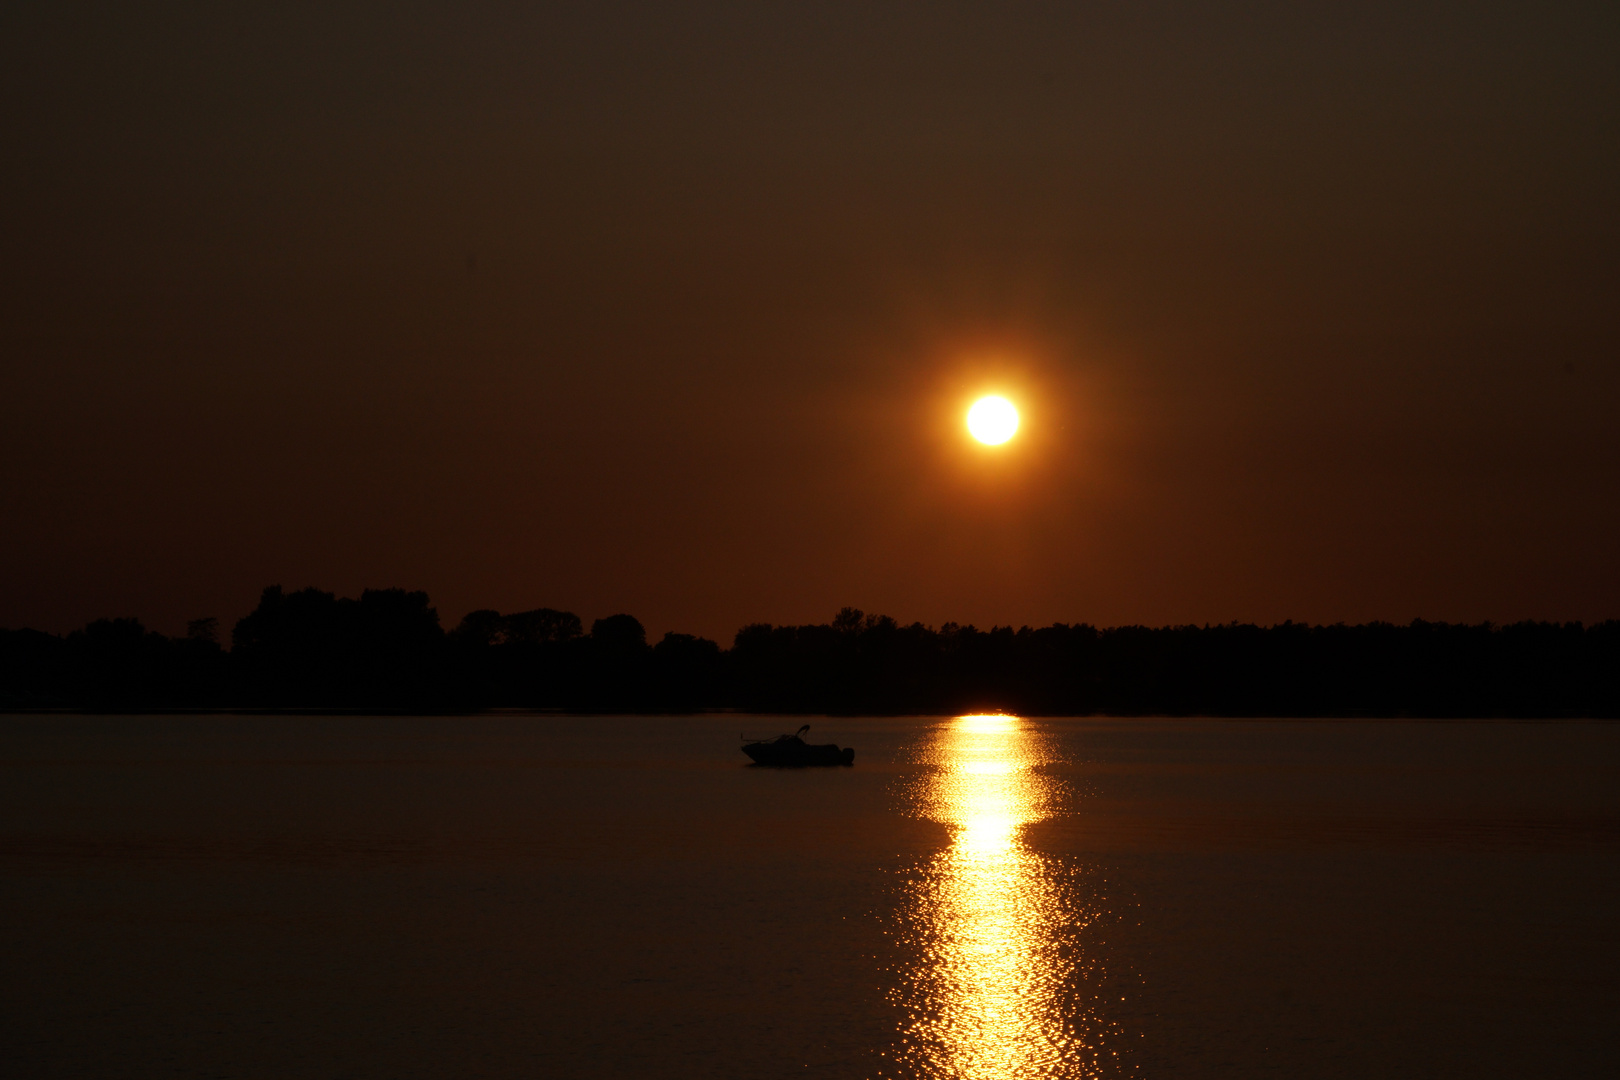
[(386, 651)]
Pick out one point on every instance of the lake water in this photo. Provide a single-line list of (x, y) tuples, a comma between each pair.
[(979, 897)]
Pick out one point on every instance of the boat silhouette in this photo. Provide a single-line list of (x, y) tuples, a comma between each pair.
[(791, 751)]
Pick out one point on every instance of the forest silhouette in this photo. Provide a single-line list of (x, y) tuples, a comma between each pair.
[(387, 652)]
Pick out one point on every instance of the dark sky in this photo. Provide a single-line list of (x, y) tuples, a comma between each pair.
[(675, 308)]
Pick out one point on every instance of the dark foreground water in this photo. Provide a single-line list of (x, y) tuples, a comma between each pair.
[(979, 897)]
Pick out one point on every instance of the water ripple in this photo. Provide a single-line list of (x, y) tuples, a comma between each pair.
[(997, 981)]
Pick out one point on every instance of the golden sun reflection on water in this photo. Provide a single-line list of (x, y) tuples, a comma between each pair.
[(996, 986)]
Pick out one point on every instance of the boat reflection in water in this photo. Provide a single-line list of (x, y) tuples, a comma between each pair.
[(995, 982)]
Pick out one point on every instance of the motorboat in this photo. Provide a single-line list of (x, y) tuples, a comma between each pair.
[(791, 751)]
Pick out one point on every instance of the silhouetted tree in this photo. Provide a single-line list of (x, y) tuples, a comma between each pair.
[(34, 671), (623, 633), (309, 648), (618, 666), (531, 658), (543, 626), (686, 673), (385, 650)]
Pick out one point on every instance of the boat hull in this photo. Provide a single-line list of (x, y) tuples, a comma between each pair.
[(786, 755)]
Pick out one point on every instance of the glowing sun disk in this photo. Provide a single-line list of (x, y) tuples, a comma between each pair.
[(992, 420)]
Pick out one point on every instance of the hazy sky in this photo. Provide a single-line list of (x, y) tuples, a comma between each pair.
[(675, 309)]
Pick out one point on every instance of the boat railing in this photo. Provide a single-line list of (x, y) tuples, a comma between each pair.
[(776, 738)]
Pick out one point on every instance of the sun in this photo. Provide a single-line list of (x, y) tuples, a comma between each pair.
[(992, 420)]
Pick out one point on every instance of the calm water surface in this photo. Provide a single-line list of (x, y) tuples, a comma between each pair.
[(979, 897)]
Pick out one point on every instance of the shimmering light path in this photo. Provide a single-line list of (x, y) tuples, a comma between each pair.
[(998, 980)]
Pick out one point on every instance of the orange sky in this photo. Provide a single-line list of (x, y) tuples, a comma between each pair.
[(1310, 310)]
